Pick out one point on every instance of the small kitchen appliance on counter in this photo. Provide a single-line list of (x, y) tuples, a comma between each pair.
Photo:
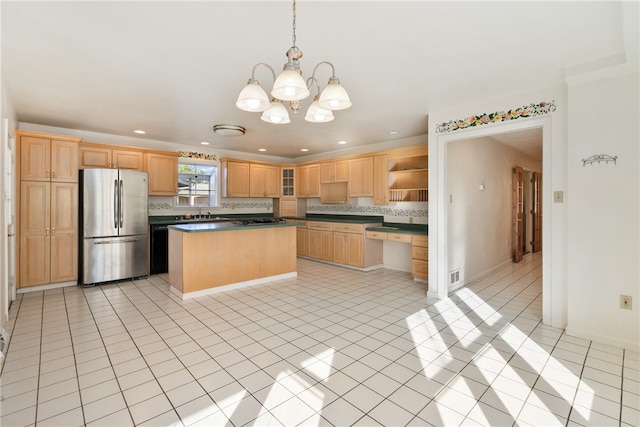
[(113, 225)]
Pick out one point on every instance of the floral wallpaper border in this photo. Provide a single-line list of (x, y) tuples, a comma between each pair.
[(367, 210), (530, 110), (195, 155)]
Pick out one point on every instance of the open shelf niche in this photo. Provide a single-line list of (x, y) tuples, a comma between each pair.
[(408, 179)]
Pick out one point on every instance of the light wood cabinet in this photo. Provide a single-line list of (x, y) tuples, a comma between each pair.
[(48, 201), (337, 171), (235, 179), (420, 257), (408, 179), (361, 177), (302, 240), (342, 243), (162, 169), (264, 180), (51, 159), (48, 233), (113, 157), (381, 179), (288, 181), (348, 248), (321, 240), (309, 181)]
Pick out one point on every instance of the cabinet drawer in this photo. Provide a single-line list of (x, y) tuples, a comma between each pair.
[(420, 240), (420, 252), (315, 225), (376, 235), (348, 228), (420, 269), (399, 237)]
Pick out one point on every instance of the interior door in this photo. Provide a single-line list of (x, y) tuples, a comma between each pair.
[(518, 212), (537, 212)]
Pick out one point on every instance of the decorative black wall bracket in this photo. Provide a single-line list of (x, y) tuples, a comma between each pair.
[(599, 158)]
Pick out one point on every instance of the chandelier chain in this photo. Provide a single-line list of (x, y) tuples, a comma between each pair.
[(294, 23)]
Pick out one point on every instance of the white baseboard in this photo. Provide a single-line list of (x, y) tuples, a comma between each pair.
[(603, 339), (470, 280), (46, 287), (232, 286)]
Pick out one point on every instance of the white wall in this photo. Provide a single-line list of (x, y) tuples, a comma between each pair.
[(7, 126), (603, 210), (479, 220)]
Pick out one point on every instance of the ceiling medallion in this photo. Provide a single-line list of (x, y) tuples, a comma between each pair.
[(290, 86)]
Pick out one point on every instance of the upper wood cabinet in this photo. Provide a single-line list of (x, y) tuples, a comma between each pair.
[(309, 181), (115, 157), (337, 171), (48, 157), (235, 179), (361, 177), (381, 180), (264, 180), (162, 168), (288, 181)]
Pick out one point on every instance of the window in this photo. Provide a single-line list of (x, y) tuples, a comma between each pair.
[(197, 183)]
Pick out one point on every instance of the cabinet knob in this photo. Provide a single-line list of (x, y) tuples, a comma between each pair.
[(46, 232), (53, 174), (46, 174), (53, 232)]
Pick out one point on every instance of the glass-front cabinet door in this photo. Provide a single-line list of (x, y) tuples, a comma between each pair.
[(288, 182)]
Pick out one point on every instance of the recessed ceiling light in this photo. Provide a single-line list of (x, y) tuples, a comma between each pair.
[(394, 132), (304, 149), (204, 143), (141, 132), (342, 142), (262, 149)]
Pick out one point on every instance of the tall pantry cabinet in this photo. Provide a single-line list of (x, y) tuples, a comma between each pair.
[(48, 200)]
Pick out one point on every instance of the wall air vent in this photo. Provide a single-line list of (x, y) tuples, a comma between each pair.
[(454, 276)]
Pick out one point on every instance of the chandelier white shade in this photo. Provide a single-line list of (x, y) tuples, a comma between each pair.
[(317, 114), (253, 98), (291, 86), (334, 97), (276, 113)]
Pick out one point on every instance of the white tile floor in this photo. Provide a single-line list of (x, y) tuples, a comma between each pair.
[(331, 347)]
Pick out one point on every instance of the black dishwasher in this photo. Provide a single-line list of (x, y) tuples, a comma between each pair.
[(159, 242)]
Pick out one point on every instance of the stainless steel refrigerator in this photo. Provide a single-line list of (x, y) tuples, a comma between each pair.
[(113, 225)]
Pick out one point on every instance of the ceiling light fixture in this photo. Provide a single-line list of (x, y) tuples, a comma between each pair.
[(291, 86), (229, 130), (138, 131)]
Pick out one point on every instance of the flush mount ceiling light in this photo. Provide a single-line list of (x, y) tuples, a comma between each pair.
[(229, 130), (290, 86)]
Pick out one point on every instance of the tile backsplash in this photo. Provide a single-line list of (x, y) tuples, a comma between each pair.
[(416, 212)]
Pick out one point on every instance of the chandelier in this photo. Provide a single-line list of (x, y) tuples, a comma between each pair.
[(291, 87)]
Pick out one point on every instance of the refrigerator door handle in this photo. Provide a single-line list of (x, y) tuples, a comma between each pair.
[(115, 242), (121, 204), (115, 203)]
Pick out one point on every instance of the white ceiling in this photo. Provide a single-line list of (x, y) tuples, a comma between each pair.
[(175, 69)]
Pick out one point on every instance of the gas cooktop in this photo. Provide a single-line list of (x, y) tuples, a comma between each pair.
[(259, 221)]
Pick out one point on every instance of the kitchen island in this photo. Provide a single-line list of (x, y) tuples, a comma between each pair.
[(216, 257)]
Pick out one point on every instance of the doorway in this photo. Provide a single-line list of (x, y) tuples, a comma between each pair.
[(439, 239), (526, 214)]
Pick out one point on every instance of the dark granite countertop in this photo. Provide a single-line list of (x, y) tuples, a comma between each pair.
[(354, 219), (399, 227), (209, 218), (227, 226)]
